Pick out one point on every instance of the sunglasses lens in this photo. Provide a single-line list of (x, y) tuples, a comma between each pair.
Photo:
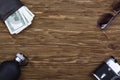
[(116, 7), (103, 21)]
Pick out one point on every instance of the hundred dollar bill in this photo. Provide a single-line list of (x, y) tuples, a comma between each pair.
[(19, 20), (14, 22)]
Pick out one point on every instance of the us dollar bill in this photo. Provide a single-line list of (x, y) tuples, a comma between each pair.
[(19, 20)]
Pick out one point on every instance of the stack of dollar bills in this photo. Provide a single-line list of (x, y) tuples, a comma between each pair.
[(19, 20)]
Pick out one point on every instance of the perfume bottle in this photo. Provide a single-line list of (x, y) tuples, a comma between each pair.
[(10, 70)]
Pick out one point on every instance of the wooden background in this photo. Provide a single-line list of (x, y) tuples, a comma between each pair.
[(63, 43)]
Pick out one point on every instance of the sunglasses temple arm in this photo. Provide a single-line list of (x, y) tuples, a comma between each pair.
[(111, 20)]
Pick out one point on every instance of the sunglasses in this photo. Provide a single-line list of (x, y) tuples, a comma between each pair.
[(107, 18)]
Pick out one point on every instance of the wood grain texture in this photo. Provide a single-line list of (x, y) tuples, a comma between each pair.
[(63, 43)]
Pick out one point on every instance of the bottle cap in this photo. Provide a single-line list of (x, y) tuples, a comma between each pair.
[(21, 59)]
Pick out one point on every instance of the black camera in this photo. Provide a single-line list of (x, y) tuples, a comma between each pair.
[(108, 70)]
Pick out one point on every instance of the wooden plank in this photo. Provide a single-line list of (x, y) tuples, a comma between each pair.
[(63, 43)]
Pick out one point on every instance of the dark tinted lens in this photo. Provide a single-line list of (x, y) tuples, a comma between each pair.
[(104, 19), (116, 7)]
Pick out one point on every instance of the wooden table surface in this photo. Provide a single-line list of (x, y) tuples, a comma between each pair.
[(63, 43)]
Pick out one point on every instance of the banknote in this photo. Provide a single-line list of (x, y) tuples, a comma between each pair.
[(19, 20), (14, 22)]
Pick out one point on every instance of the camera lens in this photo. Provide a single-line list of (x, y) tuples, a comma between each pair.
[(116, 78)]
